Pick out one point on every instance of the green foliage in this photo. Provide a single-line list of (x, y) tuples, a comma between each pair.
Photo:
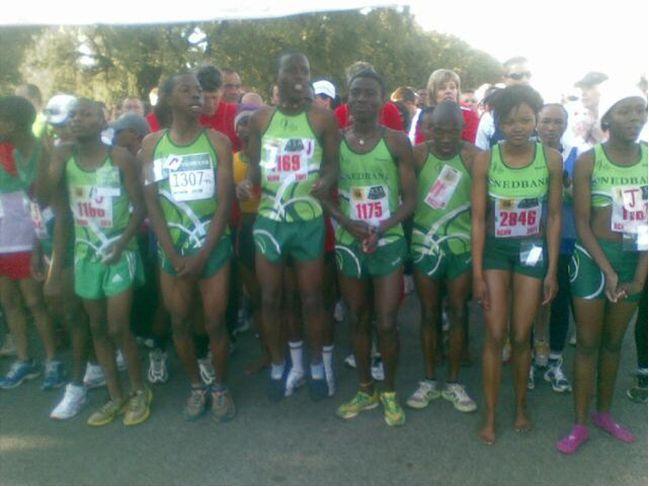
[(110, 62), (15, 41)]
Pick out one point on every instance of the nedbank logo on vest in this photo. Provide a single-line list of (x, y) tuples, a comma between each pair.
[(620, 180), (360, 176), (522, 184)]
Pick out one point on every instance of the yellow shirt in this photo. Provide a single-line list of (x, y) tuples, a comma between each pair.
[(240, 170)]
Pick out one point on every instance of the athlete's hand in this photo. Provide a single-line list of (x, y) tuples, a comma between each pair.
[(112, 253), (611, 288), (627, 289), (359, 230), (481, 293), (550, 289), (193, 267), (319, 190), (372, 242), (244, 190)]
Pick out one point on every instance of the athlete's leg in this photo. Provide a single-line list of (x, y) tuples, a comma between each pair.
[(525, 304), (32, 292), (496, 322), (119, 328), (15, 315), (269, 275), (104, 348), (291, 306), (387, 297), (178, 297), (214, 293), (309, 276), (589, 321), (251, 285), (76, 321), (458, 294), (429, 302), (616, 320), (355, 292)]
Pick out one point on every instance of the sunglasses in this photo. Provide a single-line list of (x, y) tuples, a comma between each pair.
[(519, 76)]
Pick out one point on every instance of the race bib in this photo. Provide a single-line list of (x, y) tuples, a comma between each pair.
[(517, 217), (369, 204), (90, 208), (629, 214), (192, 178), (282, 159), (442, 190)]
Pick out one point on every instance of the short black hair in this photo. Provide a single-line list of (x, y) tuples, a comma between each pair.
[(17, 110), (289, 53), (505, 100), (209, 77), (368, 73), (557, 105)]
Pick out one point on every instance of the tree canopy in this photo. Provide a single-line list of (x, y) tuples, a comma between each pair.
[(110, 62)]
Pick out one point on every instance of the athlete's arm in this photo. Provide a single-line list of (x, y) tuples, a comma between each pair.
[(62, 219), (581, 204), (478, 225), (128, 165), (330, 141), (420, 154), (224, 195), (43, 188), (469, 153), (258, 122), (157, 219), (553, 228), (400, 148)]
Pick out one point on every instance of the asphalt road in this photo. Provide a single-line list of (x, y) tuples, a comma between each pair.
[(301, 442)]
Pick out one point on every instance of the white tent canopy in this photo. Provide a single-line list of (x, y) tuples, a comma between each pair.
[(71, 12)]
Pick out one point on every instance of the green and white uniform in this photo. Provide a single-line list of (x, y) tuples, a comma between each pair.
[(441, 234), (517, 206), (187, 191), (289, 221), (101, 211), (368, 190), (624, 190)]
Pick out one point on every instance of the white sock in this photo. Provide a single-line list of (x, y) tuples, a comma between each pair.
[(328, 358), (277, 371), (317, 371), (297, 353)]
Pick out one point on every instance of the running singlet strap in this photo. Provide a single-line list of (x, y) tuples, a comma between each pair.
[(291, 155), (187, 188), (100, 207), (368, 189), (443, 206)]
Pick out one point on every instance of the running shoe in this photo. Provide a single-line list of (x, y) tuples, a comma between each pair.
[(393, 413), (223, 408), (94, 376), (456, 393), (424, 395), (295, 380), (350, 361), (276, 388), (157, 373), (360, 402), (605, 422), (8, 348), (541, 353), (531, 378), (138, 407), (637, 394), (196, 404), (554, 375), (206, 369), (54, 375), (107, 413), (377, 368), (120, 361), (571, 443), (73, 400), (19, 372)]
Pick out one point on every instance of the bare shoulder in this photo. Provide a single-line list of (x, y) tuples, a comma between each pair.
[(397, 140), (150, 140), (261, 117)]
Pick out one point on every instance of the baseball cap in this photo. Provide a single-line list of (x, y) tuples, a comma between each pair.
[(324, 87), (133, 121), (591, 78), (58, 108)]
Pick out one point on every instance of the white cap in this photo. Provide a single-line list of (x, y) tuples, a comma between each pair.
[(324, 87), (612, 92), (57, 109)]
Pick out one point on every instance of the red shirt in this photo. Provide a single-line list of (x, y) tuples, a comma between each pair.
[(389, 116), (223, 121), (154, 125), (471, 122), (7, 158)]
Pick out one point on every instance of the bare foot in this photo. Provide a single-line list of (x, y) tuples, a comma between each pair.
[(488, 434), (522, 423), (257, 366)]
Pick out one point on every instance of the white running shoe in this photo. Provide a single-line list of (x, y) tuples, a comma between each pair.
[(157, 373), (73, 400), (208, 375), (350, 361), (94, 376), (425, 393), (294, 381), (456, 393), (377, 368), (120, 361), (554, 375)]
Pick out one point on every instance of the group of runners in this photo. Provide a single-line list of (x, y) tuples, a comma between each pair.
[(325, 207)]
